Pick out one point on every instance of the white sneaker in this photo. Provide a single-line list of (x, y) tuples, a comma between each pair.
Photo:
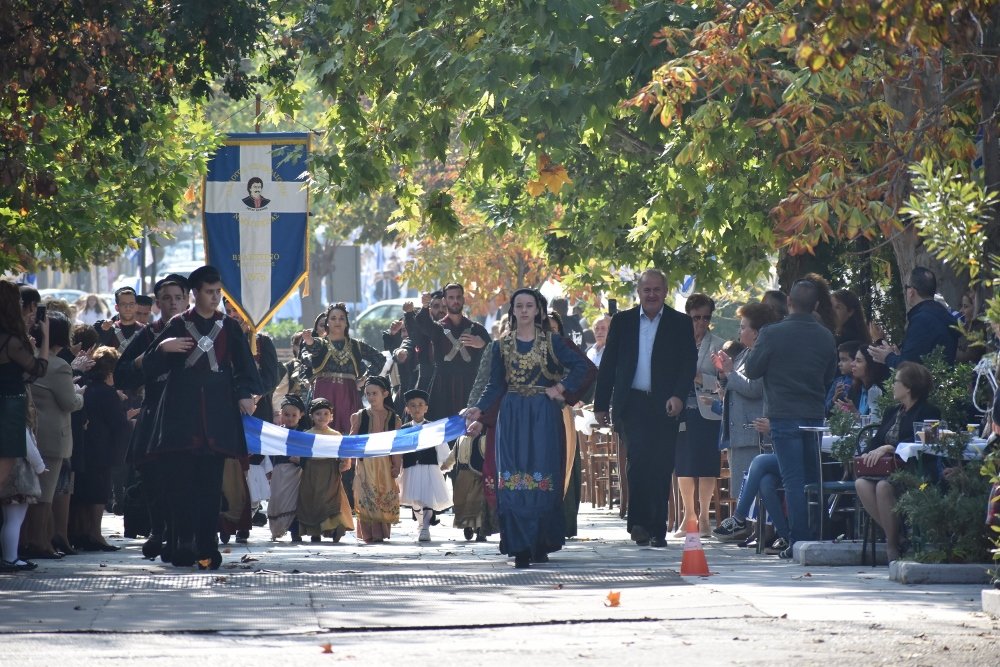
[(425, 535)]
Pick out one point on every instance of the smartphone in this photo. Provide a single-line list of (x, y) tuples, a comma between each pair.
[(40, 314), (612, 307)]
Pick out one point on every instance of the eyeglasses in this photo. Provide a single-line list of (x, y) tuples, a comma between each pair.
[(702, 318)]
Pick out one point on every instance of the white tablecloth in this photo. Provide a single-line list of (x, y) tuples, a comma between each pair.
[(907, 450)]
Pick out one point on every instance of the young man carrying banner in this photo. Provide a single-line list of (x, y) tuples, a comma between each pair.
[(212, 379)]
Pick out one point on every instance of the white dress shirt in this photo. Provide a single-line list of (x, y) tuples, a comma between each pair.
[(595, 355), (643, 380)]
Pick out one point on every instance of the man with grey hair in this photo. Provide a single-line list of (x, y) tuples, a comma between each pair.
[(797, 358), (646, 373)]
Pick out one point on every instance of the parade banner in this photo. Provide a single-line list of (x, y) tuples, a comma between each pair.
[(273, 440), (256, 220)]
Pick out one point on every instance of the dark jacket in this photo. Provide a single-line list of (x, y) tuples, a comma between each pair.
[(929, 325), (673, 361), (921, 411), (797, 358)]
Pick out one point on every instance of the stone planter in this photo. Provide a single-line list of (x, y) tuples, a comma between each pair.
[(836, 553), (991, 602), (909, 572)]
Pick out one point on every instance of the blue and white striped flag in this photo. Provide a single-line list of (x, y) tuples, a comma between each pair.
[(273, 440)]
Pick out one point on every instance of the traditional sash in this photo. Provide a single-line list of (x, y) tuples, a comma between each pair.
[(456, 348), (205, 345), (124, 342)]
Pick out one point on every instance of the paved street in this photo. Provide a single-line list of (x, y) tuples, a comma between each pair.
[(455, 602)]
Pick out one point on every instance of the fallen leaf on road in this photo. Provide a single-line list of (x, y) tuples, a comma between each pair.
[(783, 616), (205, 563), (227, 550), (327, 648), (558, 587), (614, 599)]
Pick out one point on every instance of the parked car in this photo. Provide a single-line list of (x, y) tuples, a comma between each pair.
[(373, 320), (70, 296)]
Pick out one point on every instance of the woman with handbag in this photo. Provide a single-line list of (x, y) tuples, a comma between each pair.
[(878, 496)]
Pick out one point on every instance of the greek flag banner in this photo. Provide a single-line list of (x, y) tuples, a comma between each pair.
[(256, 220), (273, 440)]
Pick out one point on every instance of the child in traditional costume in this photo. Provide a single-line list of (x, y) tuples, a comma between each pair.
[(421, 484), (323, 509), (467, 459), (286, 477), (376, 496)]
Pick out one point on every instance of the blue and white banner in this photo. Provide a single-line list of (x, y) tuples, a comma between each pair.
[(273, 440), (256, 220)]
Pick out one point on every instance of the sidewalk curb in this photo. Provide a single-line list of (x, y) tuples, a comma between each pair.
[(835, 553), (909, 572)]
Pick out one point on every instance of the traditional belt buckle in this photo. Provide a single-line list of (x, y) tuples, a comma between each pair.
[(205, 343)]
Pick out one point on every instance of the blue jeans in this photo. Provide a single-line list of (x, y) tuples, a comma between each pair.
[(795, 450), (764, 478)]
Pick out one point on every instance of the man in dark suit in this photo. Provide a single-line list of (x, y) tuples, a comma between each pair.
[(645, 376)]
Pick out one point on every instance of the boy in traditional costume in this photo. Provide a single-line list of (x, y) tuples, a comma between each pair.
[(422, 486)]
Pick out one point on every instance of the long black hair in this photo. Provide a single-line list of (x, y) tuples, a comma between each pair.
[(541, 317)]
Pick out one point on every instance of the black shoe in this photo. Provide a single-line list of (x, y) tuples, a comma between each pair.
[(732, 530), (658, 542), (19, 565), (522, 561), (296, 538), (750, 542), (152, 547), (786, 554), (63, 548), (225, 537), (184, 554), (480, 535), (469, 533), (241, 540), (540, 557), (640, 535), (259, 519), (316, 538)]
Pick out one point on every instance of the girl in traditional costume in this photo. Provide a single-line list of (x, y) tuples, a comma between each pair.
[(531, 370), (286, 477), (323, 509), (375, 492)]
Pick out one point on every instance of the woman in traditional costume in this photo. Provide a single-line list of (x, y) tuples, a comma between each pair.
[(531, 371)]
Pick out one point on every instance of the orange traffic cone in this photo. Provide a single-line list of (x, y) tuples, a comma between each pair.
[(693, 563)]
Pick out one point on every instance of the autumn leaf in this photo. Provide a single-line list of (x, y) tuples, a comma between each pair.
[(535, 188), (614, 599), (789, 34), (205, 562), (327, 648), (472, 40)]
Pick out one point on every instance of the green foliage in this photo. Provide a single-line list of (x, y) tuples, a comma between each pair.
[(991, 471), (946, 519), (98, 118), (845, 425), (282, 331), (950, 211), (951, 388), (510, 97)]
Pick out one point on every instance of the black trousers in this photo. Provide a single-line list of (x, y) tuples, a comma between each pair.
[(192, 486), (650, 438)]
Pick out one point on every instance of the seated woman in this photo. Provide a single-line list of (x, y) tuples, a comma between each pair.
[(763, 479), (878, 496), (866, 390)]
